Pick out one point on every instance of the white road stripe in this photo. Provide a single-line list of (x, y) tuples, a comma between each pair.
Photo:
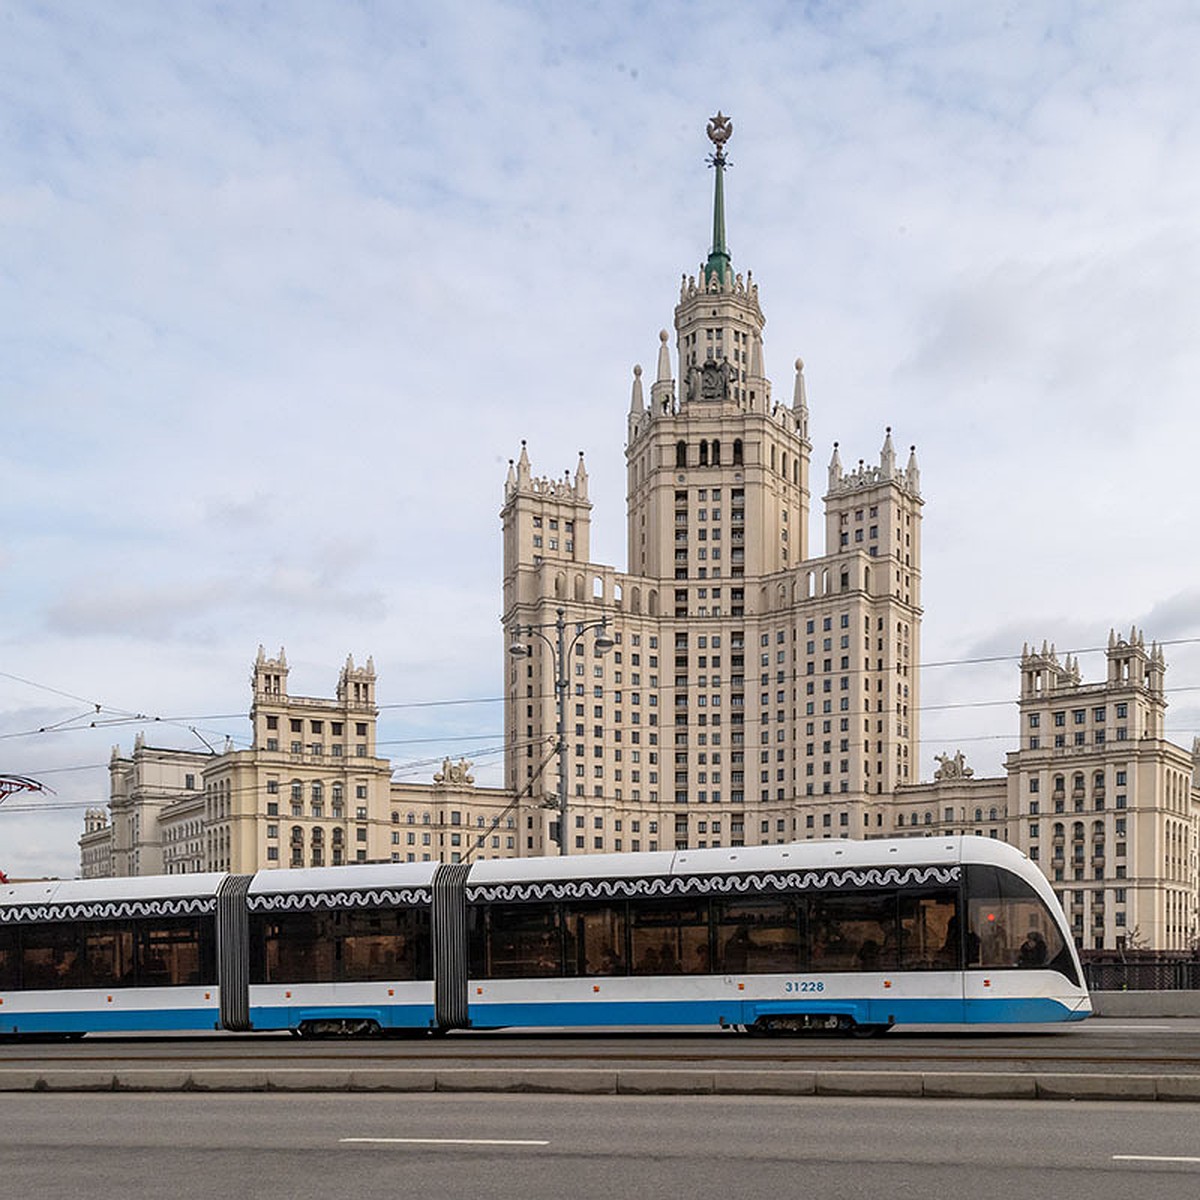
[(1155, 1158), (1121, 1028), (391, 1141)]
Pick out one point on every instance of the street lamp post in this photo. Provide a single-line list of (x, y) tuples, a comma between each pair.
[(560, 649)]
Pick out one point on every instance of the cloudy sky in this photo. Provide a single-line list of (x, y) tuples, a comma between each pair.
[(282, 286)]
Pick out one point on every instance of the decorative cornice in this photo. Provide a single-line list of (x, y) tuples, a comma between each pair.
[(416, 897), (849, 879), (107, 910)]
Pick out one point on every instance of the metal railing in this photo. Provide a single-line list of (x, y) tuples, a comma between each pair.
[(1143, 976)]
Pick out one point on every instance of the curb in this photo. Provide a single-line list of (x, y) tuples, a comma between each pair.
[(940, 1085)]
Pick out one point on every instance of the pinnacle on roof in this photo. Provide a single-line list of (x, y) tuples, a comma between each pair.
[(720, 130)]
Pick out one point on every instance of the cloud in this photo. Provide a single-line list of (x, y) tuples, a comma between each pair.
[(284, 287)]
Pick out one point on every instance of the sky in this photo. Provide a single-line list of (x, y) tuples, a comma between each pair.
[(283, 286)]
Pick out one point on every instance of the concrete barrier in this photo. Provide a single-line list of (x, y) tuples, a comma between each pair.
[(1146, 1004), (973, 1085)]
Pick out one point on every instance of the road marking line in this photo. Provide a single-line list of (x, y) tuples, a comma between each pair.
[(1156, 1158), (391, 1141), (1123, 1028)]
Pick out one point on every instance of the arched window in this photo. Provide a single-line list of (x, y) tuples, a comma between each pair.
[(783, 465), (929, 818), (1098, 781), (297, 790), (1077, 831), (979, 814), (900, 820), (318, 835), (318, 792), (737, 452), (716, 453), (395, 818), (772, 458), (1059, 830), (681, 454), (991, 814), (1060, 783), (703, 453)]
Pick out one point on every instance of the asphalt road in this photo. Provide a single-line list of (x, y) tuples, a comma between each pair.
[(193, 1147)]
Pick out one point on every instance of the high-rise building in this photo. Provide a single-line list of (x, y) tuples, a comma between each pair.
[(754, 688), (729, 687)]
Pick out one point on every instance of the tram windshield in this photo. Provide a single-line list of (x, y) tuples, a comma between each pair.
[(1010, 925)]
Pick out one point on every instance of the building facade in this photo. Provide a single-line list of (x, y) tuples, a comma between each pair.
[(1095, 795), (310, 791)]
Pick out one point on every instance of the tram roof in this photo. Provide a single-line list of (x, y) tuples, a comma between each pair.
[(802, 855), (356, 877), (79, 891)]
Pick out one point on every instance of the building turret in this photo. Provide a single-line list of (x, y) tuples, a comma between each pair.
[(800, 401), (269, 677)]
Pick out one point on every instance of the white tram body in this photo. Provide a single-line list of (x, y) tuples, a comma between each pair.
[(847, 989), (375, 988), (829, 935), (110, 955)]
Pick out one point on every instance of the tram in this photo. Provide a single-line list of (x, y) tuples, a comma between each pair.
[(843, 936)]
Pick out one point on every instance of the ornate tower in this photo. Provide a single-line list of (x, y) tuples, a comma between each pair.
[(720, 426), (754, 693)]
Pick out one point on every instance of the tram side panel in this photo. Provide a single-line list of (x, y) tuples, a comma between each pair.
[(147, 972), (543, 956), (323, 961)]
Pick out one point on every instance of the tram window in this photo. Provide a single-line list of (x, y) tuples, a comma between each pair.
[(1009, 925), (522, 941), (670, 937), (50, 957), (292, 948), (384, 943), (760, 935), (342, 945), (853, 931), (929, 932), (595, 939), (174, 951), (108, 954), (9, 977)]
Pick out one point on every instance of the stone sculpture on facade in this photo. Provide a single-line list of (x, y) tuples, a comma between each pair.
[(952, 767), (455, 774)]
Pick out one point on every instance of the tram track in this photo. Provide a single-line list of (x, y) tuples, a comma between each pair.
[(366, 1056)]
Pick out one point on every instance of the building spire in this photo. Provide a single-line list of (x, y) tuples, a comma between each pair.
[(720, 130)]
